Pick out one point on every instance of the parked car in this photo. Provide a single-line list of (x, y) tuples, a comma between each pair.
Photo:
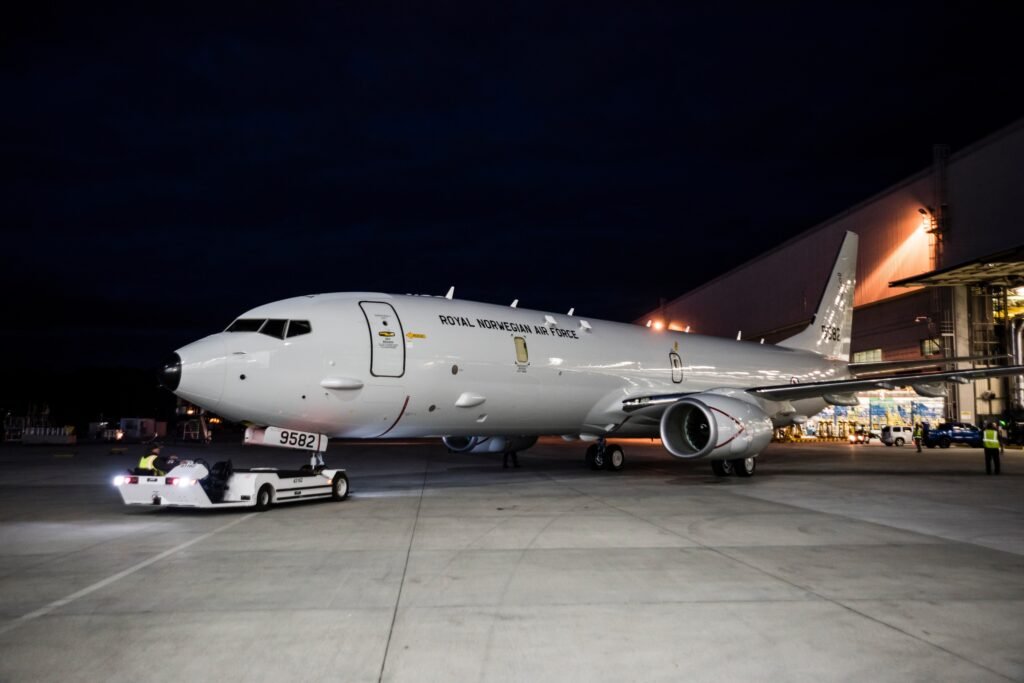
[(948, 433), (862, 436), (897, 436)]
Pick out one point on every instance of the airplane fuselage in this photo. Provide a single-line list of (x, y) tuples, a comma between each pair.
[(392, 366)]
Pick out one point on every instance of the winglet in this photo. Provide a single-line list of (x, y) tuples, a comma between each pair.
[(832, 325), (451, 292)]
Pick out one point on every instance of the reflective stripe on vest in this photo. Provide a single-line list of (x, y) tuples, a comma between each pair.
[(991, 438)]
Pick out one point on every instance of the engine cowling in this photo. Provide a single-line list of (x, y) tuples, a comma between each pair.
[(716, 427), (488, 444)]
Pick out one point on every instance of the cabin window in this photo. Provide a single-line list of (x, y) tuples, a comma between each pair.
[(522, 354), (246, 325), (297, 327), (274, 328)]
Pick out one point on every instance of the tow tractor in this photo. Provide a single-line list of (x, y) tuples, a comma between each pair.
[(197, 484)]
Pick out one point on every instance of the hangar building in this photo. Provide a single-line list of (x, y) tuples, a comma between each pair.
[(940, 275)]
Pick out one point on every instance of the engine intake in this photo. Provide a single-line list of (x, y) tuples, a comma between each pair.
[(488, 444), (714, 426)]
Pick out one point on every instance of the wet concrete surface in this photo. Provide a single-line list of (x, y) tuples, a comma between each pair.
[(834, 562)]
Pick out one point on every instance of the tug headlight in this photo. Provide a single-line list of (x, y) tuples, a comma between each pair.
[(118, 480)]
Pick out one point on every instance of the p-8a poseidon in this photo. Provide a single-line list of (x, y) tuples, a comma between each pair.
[(489, 378)]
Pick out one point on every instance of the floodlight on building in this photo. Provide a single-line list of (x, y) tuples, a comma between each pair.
[(929, 223), (659, 325)]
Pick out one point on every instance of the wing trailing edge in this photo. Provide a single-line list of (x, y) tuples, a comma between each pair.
[(927, 381)]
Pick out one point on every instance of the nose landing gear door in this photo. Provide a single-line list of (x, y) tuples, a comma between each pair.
[(387, 341)]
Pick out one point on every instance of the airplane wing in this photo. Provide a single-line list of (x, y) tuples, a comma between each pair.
[(792, 392), (837, 387), (937, 362)]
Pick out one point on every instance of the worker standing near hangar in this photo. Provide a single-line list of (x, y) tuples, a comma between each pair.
[(993, 445), (918, 435)]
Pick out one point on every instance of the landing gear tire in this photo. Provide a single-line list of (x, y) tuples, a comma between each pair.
[(339, 487), (595, 458), (264, 497), (614, 458), (721, 468), (744, 467)]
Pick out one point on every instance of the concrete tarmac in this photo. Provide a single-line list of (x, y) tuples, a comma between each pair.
[(834, 562)]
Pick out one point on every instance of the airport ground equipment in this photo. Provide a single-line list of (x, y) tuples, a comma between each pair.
[(196, 484)]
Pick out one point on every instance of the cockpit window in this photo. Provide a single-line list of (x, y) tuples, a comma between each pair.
[(274, 328), (246, 325), (297, 327)]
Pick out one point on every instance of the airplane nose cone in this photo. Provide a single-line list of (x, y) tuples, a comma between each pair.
[(169, 375), (197, 371)]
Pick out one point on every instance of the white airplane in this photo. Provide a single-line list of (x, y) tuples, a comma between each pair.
[(489, 378)]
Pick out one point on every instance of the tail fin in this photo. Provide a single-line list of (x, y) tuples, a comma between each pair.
[(832, 325)]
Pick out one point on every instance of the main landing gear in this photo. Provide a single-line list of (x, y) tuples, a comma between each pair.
[(605, 456), (741, 467)]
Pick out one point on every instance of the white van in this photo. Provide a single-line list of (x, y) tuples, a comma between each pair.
[(897, 436)]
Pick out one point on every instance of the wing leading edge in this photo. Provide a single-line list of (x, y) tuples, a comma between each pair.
[(833, 388)]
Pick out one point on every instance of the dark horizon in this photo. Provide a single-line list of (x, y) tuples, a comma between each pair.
[(169, 168)]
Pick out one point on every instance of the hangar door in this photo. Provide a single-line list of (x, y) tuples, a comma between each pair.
[(387, 341)]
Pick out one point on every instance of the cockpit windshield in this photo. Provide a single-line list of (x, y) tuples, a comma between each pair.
[(246, 325), (274, 328), (297, 327), (278, 328)]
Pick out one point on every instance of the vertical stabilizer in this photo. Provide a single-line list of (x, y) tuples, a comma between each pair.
[(830, 329)]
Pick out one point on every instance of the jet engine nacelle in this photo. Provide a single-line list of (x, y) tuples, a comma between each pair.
[(716, 427), (488, 444)]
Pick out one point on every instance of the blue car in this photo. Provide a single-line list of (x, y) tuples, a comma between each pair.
[(949, 433)]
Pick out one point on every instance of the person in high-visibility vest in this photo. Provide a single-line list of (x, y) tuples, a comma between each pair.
[(918, 435), (152, 461), (990, 440)]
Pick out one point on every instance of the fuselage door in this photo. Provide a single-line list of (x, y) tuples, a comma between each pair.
[(387, 340), (677, 367)]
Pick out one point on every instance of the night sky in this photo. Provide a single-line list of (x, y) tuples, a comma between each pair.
[(167, 169)]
